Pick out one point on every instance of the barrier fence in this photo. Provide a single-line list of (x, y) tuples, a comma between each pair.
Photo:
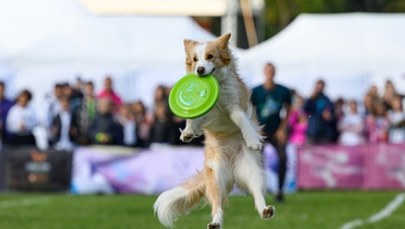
[(102, 169), (373, 166)]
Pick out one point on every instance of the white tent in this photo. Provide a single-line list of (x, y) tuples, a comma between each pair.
[(45, 41), (350, 51)]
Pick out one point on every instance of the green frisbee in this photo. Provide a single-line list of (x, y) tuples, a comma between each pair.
[(193, 96)]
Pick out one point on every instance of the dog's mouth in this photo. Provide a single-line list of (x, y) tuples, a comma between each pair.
[(207, 74)]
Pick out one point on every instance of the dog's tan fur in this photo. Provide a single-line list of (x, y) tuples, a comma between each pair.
[(233, 141)]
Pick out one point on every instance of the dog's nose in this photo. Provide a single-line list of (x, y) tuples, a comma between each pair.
[(200, 70)]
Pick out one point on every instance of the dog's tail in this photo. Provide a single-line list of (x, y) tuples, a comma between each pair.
[(179, 201)]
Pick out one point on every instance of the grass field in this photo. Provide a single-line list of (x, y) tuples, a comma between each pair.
[(312, 210)]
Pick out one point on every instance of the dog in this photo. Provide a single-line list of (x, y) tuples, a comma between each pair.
[(233, 141)]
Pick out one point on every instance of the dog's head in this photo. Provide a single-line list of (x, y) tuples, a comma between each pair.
[(205, 58)]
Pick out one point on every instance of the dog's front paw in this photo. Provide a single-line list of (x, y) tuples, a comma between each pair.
[(255, 144), (213, 226), (186, 136), (269, 212), (254, 141)]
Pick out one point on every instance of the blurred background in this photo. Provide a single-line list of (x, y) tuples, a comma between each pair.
[(84, 87)]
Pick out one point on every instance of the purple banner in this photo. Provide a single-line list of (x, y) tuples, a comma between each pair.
[(149, 171)]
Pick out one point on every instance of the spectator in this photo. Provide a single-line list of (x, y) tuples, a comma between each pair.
[(396, 117), (109, 93), (160, 95), (104, 129), (377, 124), (351, 126), (143, 123), (21, 120), (161, 126), (298, 122), (53, 103), (86, 113), (127, 121), (389, 94), (272, 102), (368, 102), (339, 109), (64, 128), (77, 93), (373, 92), (322, 122), (5, 105)]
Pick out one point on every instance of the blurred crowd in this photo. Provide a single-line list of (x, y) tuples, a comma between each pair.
[(378, 118), (78, 115)]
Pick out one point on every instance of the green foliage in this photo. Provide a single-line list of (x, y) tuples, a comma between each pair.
[(279, 13)]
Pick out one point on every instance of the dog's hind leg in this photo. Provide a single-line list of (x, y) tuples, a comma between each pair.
[(216, 181), (250, 176)]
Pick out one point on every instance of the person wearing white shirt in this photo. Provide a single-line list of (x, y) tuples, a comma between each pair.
[(351, 126), (127, 120), (21, 120)]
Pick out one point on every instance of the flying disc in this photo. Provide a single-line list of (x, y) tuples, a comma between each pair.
[(193, 96)]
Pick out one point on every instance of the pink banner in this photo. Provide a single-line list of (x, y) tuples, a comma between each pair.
[(385, 167), (352, 167)]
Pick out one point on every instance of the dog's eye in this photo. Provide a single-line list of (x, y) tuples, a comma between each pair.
[(210, 56), (195, 59)]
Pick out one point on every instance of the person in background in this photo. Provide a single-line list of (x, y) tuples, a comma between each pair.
[(86, 113), (377, 124), (351, 126), (339, 109), (77, 93), (127, 121), (272, 102), (21, 120), (161, 126), (389, 94), (322, 126), (5, 105), (143, 123), (161, 95), (396, 117), (109, 93), (53, 107), (368, 102), (64, 128), (373, 93), (105, 129), (298, 122)]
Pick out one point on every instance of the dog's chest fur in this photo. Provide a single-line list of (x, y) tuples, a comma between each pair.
[(218, 119)]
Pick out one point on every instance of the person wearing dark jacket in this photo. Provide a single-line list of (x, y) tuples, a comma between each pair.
[(104, 129), (322, 124), (64, 127)]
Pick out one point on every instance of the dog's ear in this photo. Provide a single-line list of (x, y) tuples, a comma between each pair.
[(187, 47), (224, 39), (188, 43)]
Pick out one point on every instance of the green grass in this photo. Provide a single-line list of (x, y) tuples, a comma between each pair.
[(303, 210)]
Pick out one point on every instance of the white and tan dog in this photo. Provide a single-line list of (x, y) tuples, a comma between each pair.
[(233, 141)]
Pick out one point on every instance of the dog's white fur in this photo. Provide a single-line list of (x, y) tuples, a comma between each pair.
[(233, 141)]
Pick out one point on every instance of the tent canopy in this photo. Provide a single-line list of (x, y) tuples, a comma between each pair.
[(56, 40), (350, 51)]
